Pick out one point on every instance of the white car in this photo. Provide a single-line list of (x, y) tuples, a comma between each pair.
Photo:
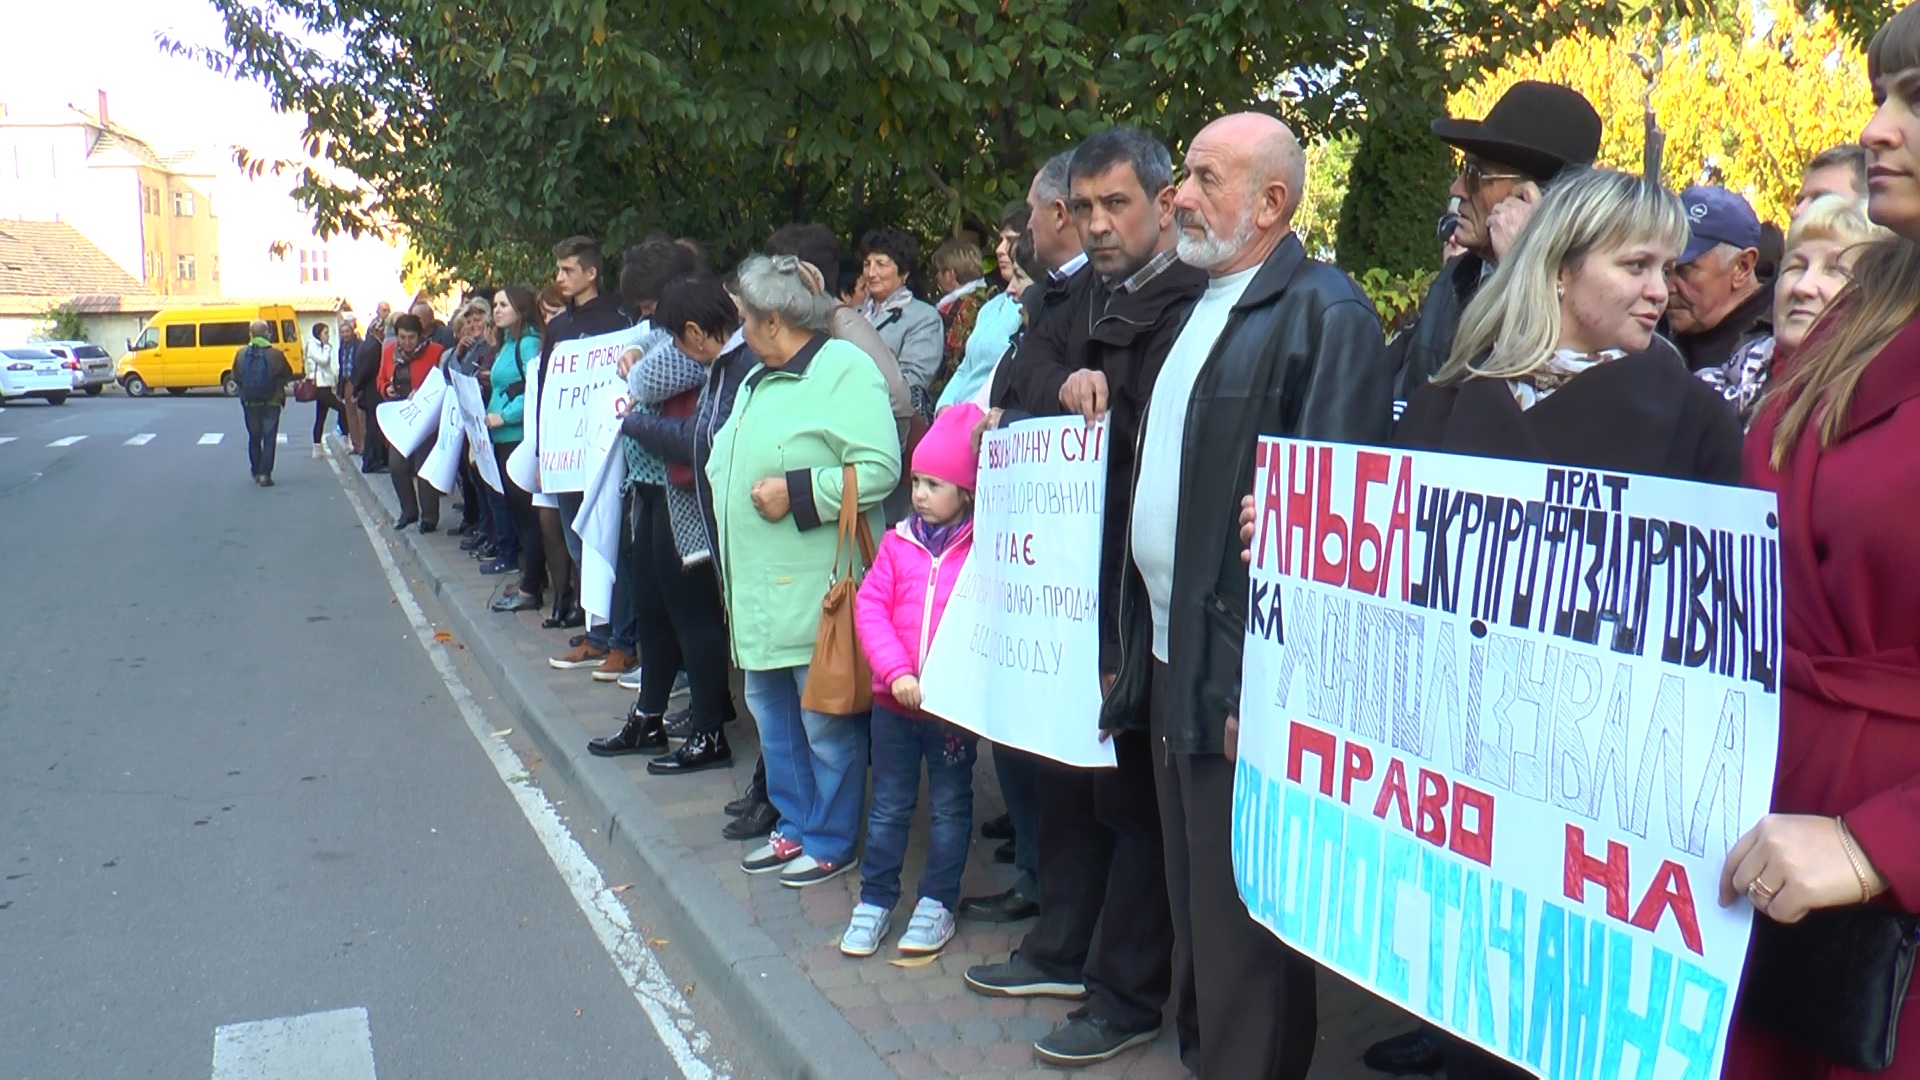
[(31, 371), (89, 364)]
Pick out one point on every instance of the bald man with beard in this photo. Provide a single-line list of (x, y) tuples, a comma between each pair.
[(1279, 344)]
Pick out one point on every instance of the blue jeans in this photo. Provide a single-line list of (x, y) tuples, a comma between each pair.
[(900, 744), (263, 435), (816, 765)]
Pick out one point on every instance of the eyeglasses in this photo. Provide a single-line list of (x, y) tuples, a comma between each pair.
[(1474, 175)]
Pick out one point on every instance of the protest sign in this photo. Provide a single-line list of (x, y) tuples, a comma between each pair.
[(472, 403), (1017, 654), (442, 466), (523, 464), (600, 518), (1501, 724), (577, 423), (406, 423)]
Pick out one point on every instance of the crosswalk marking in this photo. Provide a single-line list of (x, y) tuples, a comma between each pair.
[(140, 440), (68, 441), (211, 438), (5, 439), (282, 440), (337, 1045)]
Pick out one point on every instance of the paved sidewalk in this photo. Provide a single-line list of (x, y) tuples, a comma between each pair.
[(769, 952)]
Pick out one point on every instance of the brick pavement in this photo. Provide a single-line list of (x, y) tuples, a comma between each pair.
[(922, 1021)]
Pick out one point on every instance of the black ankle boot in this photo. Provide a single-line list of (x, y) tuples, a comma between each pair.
[(703, 751), (641, 734), (759, 820), (562, 611), (756, 792)]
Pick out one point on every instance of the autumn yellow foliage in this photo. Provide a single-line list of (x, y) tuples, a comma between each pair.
[(1743, 109)]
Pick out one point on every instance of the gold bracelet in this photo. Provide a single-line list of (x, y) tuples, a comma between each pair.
[(1854, 858)]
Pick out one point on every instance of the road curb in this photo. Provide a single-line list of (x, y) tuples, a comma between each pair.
[(788, 1020)]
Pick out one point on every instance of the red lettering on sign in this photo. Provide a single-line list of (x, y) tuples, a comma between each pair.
[(1582, 868), (1303, 740), (1394, 792), (1357, 764), (1670, 891)]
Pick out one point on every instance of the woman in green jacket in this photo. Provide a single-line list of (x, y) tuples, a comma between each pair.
[(517, 318), (812, 407)]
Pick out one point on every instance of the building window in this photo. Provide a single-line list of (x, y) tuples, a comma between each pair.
[(183, 267), (313, 266), (183, 204)]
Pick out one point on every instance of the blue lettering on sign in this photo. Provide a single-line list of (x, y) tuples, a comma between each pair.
[(1330, 880), (1360, 884)]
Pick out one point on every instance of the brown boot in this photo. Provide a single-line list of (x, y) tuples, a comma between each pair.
[(586, 654), (617, 663)]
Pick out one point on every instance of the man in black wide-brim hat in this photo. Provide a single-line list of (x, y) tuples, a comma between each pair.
[(1534, 132)]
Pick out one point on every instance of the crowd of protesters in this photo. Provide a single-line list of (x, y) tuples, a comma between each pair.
[(1586, 317)]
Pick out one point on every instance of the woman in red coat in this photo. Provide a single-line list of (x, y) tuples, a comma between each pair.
[(1839, 441)]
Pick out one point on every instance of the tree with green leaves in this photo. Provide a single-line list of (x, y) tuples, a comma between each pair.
[(485, 130)]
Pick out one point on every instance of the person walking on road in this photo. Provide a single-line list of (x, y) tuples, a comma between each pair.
[(262, 373), (323, 367)]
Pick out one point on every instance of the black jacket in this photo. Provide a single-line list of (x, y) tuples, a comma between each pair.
[(1301, 355), (1423, 350), (366, 365), (689, 439), (1036, 307), (1641, 414), (1127, 336), (1753, 319)]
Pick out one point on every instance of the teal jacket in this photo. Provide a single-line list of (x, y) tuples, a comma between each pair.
[(509, 368), (825, 408)]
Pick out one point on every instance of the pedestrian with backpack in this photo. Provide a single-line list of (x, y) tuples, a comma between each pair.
[(262, 373)]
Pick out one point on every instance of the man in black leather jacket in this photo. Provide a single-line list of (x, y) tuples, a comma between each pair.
[(1278, 345)]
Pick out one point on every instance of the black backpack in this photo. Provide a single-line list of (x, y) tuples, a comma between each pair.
[(256, 375)]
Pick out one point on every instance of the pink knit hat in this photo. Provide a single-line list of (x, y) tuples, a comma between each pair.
[(946, 450)]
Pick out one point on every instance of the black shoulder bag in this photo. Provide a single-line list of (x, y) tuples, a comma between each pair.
[(1834, 982)]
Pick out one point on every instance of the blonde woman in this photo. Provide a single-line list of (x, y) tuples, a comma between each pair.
[(1556, 359), (1821, 248)]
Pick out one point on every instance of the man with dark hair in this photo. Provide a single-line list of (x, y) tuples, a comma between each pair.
[(404, 364), (1533, 133), (577, 266), (1105, 929), (262, 373), (1839, 170)]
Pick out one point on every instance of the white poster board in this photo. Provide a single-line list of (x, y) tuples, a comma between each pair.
[(1501, 724), (577, 421), (472, 404), (523, 464), (442, 465), (1017, 654), (600, 520), (407, 423)]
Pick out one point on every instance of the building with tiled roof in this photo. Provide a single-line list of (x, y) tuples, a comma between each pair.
[(150, 213)]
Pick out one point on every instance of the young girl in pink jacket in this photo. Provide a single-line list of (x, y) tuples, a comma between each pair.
[(898, 611)]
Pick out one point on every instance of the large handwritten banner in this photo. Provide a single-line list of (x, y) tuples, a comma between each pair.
[(1501, 724), (577, 422), (1017, 654)]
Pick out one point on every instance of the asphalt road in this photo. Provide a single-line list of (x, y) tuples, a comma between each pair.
[(234, 789)]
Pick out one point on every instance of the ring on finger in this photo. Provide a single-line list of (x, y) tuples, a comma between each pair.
[(1760, 894)]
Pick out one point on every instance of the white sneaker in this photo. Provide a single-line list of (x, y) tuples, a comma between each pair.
[(929, 930), (631, 680), (317, 452), (866, 930)]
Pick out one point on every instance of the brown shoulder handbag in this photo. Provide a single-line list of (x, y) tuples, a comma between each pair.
[(839, 681)]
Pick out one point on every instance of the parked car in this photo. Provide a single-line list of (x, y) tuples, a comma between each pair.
[(192, 346), (89, 364), (31, 371)]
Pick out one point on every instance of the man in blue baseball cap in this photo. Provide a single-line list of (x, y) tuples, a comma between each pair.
[(1719, 303)]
